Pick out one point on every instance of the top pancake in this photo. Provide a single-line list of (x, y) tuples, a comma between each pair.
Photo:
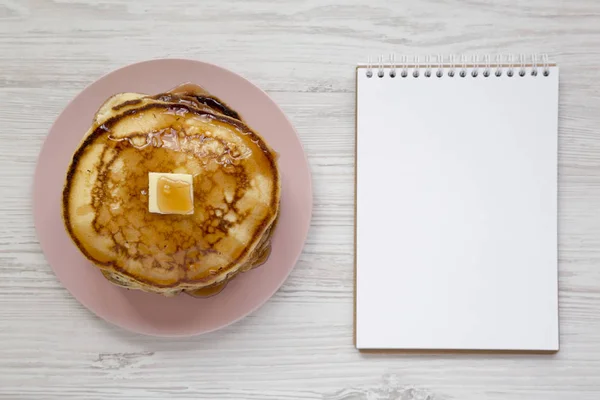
[(236, 191)]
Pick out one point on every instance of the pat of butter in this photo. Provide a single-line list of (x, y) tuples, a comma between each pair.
[(170, 193)]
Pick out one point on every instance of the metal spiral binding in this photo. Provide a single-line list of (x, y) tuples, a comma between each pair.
[(475, 66)]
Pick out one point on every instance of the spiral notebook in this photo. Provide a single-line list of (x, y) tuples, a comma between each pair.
[(456, 205)]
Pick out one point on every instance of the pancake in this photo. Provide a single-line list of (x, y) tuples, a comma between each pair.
[(201, 96), (236, 193)]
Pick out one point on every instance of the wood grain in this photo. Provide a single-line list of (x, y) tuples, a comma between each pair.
[(299, 345)]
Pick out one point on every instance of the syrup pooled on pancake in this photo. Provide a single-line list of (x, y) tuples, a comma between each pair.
[(236, 193)]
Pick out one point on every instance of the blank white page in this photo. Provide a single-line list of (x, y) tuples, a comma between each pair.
[(456, 241)]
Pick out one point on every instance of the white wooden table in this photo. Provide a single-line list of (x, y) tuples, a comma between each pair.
[(299, 345)]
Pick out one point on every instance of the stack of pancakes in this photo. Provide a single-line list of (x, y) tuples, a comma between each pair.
[(236, 192)]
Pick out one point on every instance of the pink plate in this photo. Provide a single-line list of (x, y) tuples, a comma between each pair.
[(181, 315)]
